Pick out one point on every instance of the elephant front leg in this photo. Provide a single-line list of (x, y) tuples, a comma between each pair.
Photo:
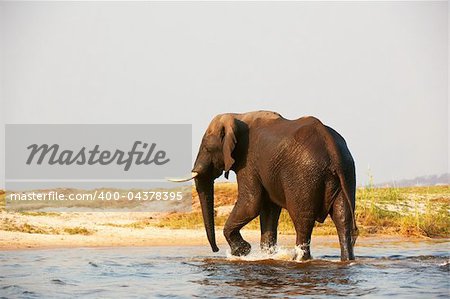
[(269, 216), (243, 212)]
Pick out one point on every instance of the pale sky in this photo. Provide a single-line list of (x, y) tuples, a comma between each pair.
[(377, 72)]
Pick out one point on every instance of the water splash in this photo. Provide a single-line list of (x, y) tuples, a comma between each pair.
[(444, 264), (276, 253)]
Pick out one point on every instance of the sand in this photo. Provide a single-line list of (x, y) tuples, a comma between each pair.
[(108, 229)]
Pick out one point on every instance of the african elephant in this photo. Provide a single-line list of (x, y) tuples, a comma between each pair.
[(300, 165)]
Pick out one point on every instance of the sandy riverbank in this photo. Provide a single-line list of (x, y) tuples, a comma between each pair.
[(50, 230), (415, 213), (122, 229), (154, 236)]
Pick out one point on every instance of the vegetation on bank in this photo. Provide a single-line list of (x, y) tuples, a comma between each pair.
[(411, 211), (8, 224), (13, 226)]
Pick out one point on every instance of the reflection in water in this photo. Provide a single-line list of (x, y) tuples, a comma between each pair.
[(282, 278), (393, 269)]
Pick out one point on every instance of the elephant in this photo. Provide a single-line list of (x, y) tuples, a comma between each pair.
[(299, 165)]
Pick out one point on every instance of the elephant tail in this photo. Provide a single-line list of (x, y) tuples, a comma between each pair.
[(355, 231), (332, 139)]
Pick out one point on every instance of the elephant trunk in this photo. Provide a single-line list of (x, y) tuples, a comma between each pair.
[(205, 190)]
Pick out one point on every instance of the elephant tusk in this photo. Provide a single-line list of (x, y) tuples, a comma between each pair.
[(193, 175)]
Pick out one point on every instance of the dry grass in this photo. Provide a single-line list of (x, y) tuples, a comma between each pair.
[(78, 231), (415, 211), (141, 224), (43, 214), (412, 211), (11, 225)]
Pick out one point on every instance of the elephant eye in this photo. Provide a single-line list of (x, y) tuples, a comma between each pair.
[(212, 145), (210, 148)]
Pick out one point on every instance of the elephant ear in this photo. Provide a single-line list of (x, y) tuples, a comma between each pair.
[(229, 142)]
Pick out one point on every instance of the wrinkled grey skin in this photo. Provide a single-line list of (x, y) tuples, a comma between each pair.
[(299, 165)]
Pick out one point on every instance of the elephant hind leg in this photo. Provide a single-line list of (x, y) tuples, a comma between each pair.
[(270, 213), (304, 225), (342, 218), (302, 207)]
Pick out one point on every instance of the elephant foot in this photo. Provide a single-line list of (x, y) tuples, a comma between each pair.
[(268, 249), (242, 249), (347, 257), (302, 253)]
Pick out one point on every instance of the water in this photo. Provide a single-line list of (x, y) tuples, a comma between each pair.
[(383, 268)]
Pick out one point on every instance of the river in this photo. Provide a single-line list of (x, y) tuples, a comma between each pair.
[(388, 267)]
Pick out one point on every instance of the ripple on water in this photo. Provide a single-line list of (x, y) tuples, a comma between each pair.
[(195, 272)]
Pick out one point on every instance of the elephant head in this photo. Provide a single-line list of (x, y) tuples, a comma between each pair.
[(215, 156)]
